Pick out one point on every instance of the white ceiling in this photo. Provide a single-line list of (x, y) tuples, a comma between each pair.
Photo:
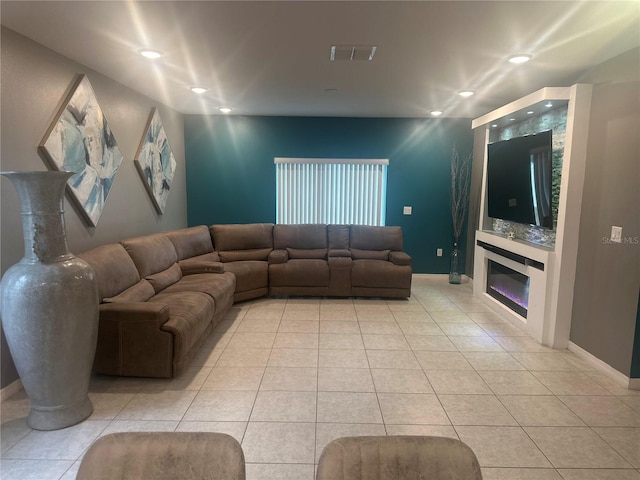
[(272, 58)]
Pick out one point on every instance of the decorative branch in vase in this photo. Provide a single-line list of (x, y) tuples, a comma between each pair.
[(459, 196)]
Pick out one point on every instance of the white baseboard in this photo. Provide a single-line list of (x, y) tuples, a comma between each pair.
[(619, 377), (10, 390), (443, 276)]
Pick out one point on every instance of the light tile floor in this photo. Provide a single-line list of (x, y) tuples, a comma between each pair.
[(286, 376)]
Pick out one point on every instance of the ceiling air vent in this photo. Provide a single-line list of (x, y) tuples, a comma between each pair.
[(352, 53)]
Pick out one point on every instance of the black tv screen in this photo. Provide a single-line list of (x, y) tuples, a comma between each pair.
[(519, 180)]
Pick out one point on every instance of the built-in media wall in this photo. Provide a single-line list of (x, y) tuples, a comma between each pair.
[(231, 174), (555, 120)]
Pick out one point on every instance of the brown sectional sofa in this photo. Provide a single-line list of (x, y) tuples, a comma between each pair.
[(244, 250), (156, 308), (339, 260), (162, 294)]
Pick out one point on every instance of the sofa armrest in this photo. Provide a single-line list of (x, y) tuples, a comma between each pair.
[(340, 262), (193, 266), (135, 313), (131, 341), (278, 256), (339, 252), (399, 258)]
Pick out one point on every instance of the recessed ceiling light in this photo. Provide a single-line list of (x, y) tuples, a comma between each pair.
[(466, 93), (436, 113), (225, 109), (198, 90), (549, 105), (512, 119), (494, 125), (152, 54), (520, 58), (530, 112)]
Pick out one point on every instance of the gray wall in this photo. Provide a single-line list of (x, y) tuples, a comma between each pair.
[(608, 274), (34, 82), (475, 196)]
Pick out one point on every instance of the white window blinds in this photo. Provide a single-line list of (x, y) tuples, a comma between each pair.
[(342, 191)]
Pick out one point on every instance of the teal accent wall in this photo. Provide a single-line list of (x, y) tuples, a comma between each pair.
[(231, 174)]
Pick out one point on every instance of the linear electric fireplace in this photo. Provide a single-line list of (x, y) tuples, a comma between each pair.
[(509, 287)]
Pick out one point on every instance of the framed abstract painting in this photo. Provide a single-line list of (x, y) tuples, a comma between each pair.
[(80, 141), (155, 162)]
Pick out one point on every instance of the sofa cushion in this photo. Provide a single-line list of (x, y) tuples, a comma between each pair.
[(114, 269), (191, 242), (191, 266), (242, 237), (162, 280), (207, 257), (151, 253), (338, 236), (357, 254), (140, 292), (278, 256), (261, 254), (303, 236), (300, 273), (364, 237), (400, 258), (297, 253), (341, 252), (250, 275), (219, 286), (380, 274), (190, 314)]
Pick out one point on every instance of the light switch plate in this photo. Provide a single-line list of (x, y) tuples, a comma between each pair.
[(616, 234), (406, 210), (439, 252)]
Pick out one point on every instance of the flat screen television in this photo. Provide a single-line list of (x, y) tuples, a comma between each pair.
[(519, 180)]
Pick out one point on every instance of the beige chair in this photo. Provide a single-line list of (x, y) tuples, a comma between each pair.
[(163, 456), (398, 458)]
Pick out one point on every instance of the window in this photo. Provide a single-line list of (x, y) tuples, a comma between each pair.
[(342, 191)]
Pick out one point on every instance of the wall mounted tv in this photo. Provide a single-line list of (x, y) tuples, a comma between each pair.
[(519, 180)]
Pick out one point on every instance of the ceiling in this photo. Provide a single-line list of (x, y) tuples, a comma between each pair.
[(272, 58)]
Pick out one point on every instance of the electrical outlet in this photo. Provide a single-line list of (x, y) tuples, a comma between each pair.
[(616, 234), (439, 252), (406, 210)]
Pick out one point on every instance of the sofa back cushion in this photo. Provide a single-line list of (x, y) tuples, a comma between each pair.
[(338, 237), (151, 254), (163, 279), (254, 254), (358, 254), (114, 269), (248, 236), (364, 237), (251, 241), (191, 242), (140, 292), (300, 237), (301, 253)]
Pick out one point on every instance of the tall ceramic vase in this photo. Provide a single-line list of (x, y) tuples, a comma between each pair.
[(50, 308), (455, 277)]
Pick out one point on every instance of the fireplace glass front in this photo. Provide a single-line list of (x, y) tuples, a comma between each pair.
[(509, 287)]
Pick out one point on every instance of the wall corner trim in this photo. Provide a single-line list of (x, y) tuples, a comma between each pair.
[(615, 375)]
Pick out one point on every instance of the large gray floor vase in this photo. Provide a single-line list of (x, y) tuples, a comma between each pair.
[(49, 307)]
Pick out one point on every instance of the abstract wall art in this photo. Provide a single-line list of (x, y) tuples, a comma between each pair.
[(80, 141), (155, 162)]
